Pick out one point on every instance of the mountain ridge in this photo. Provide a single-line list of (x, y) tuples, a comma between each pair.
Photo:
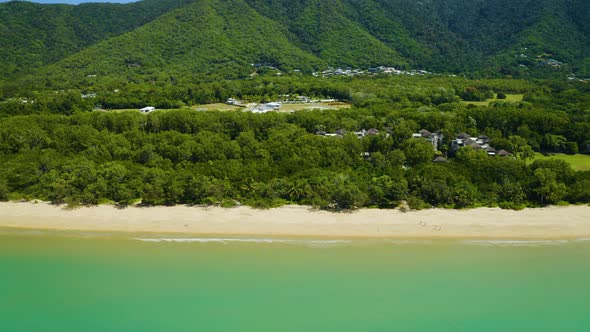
[(223, 38), (34, 35)]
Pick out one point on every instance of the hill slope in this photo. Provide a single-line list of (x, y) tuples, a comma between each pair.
[(444, 35), (33, 35), (200, 38)]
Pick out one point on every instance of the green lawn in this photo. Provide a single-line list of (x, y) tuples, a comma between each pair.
[(216, 107), (118, 110), (311, 106), (284, 107), (579, 162), (225, 107), (514, 98)]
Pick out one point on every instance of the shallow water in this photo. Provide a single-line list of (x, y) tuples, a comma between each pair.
[(90, 282)]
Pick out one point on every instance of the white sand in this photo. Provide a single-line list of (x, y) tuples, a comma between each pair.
[(542, 223)]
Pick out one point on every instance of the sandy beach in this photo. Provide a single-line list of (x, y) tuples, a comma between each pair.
[(541, 223)]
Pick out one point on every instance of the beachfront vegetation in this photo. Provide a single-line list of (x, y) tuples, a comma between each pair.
[(58, 149)]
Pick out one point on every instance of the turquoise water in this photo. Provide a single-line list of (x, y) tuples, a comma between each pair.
[(60, 282)]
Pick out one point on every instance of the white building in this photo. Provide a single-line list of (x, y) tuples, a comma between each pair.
[(147, 109), (273, 106)]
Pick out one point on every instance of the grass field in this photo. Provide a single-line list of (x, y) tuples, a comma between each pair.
[(310, 106), (216, 107), (579, 162), (137, 110), (514, 98), (226, 108), (284, 107)]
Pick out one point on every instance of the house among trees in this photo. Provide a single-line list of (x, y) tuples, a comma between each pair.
[(267, 107), (274, 106), (342, 132), (554, 63), (370, 132), (303, 99), (439, 159), (147, 109), (434, 138), (338, 133), (477, 143)]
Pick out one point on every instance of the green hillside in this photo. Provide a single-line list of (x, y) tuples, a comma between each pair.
[(33, 35), (156, 40), (450, 35), (331, 30), (206, 37)]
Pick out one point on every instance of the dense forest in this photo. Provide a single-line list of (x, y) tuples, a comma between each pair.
[(54, 147)]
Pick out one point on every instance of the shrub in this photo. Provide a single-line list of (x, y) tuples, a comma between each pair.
[(511, 206), (571, 147), (416, 203)]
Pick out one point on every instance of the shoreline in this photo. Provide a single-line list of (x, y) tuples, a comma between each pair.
[(302, 221)]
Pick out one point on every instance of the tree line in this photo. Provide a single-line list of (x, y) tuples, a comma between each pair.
[(265, 160)]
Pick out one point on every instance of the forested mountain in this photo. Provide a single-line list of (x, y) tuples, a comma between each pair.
[(204, 37), (200, 38), (33, 35)]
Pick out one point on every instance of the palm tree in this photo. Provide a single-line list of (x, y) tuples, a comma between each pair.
[(299, 189)]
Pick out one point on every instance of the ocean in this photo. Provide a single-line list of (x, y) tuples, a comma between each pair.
[(60, 281)]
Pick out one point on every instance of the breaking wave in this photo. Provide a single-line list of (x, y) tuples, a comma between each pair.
[(522, 243), (319, 243), (314, 243)]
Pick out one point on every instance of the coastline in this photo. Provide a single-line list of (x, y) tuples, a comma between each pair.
[(302, 221)]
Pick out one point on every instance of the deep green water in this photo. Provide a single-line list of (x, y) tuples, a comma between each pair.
[(58, 282)]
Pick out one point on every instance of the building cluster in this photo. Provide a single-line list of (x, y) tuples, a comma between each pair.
[(276, 105), (255, 108), (463, 139), (476, 143), (21, 100), (348, 71), (553, 63), (572, 77), (297, 99), (434, 138), (263, 108)]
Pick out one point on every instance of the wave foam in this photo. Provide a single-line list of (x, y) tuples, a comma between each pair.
[(246, 240), (315, 243), (518, 243), (211, 240)]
